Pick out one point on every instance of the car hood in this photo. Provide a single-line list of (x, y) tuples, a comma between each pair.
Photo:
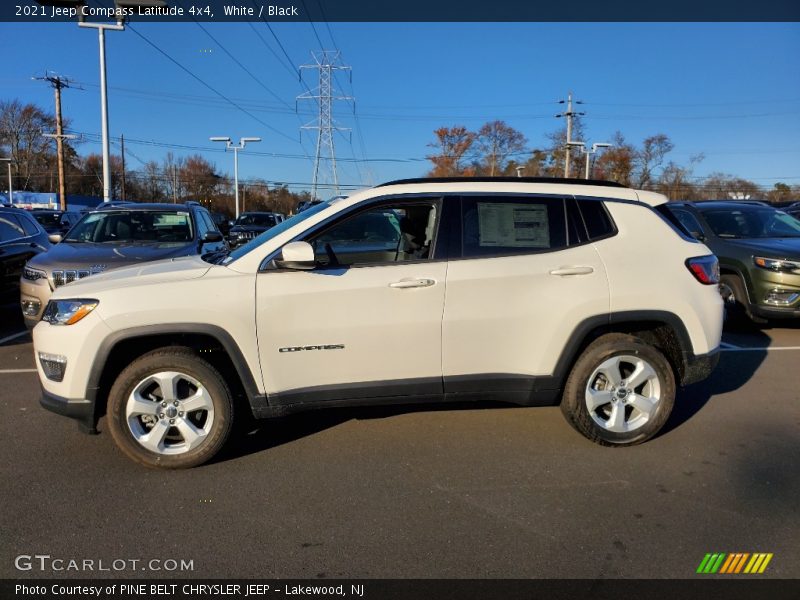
[(171, 270), (771, 247), (68, 255)]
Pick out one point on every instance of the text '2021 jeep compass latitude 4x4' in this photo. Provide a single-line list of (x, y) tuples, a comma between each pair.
[(517, 290)]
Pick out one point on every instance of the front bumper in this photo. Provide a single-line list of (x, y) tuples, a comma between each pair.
[(82, 410), (775, 312)]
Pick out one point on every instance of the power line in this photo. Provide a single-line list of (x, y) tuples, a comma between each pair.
[(210, 87)]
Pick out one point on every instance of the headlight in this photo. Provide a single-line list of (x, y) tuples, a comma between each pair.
[(33, 274), (775, 264), (68, 312)]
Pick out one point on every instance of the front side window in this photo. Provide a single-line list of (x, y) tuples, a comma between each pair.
[(506, 226), (28, 224), (390, 233), (10, 228)]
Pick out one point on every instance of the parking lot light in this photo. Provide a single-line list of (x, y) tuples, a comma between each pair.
[(229, 146)]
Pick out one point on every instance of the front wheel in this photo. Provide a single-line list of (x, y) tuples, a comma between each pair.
[(620, 392), (170, 409)]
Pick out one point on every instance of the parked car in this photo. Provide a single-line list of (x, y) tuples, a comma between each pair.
[(759, 253), (222, 222), (556, 290), (21, 238), (250, 225), (56, 221), (793, 209), (112, 237)]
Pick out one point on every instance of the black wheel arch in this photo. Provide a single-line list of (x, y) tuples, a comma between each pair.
[(212, 343), (663, 329)]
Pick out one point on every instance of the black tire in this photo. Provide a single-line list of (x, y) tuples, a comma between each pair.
[(214, 423), (737, 302), (623, 347)]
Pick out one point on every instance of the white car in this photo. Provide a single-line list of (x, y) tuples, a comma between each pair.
[(520, 290)]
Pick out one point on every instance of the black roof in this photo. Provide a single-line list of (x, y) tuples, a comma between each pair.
[(504, 180)]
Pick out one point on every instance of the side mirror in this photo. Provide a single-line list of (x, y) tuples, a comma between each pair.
[(212, 236), (296, 255), (55, 238)]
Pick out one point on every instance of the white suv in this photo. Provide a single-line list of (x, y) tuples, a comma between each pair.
[(518, 290)]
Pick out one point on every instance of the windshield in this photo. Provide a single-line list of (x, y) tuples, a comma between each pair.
[(143, 226), (274, 231), (47, 218), (752, 223), (256, 219)]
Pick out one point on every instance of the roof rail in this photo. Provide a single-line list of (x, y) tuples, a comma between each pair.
[(504, 180), (192, 203)]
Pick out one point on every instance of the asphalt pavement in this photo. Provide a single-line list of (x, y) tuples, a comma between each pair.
[(466, 492)]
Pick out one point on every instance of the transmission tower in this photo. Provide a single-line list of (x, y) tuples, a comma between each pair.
[(327, 62)]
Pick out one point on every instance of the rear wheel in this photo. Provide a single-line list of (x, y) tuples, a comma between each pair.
[(620, 392), (170, 409)]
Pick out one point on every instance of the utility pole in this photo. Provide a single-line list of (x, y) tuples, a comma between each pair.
[(569, 114), (10, 182), (59, 82), (327, 63), (174, 184), (122, 151)]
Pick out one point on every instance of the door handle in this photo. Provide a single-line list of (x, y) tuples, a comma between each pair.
[(412, 283), (562, 271)]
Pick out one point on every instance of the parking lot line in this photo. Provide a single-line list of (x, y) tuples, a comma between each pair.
[(17, 371), (13, 337), (731, 348)]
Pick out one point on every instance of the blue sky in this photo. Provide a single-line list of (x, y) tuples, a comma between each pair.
[(730, 91)]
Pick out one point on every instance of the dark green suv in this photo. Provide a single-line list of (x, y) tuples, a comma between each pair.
[(758, 248)]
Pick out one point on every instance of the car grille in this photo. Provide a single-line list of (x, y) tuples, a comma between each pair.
[(68, 276), (248, 235)]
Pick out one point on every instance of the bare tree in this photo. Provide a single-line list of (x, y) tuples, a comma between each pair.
[(616, 163), (22, 129), (651, 157), (452, 143), (496, 141)]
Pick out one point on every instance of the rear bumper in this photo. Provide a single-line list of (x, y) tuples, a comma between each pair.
[(698, 367), (82, 410)]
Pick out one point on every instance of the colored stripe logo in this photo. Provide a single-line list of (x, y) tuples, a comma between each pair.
[(734, 563)]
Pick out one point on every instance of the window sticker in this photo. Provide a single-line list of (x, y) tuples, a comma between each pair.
[(513, 225)]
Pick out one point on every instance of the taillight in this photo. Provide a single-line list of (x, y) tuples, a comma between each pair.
[(704, 268)]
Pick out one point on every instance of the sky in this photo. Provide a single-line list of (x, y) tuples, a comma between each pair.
[(728, 91)]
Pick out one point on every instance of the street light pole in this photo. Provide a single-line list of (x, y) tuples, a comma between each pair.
[(593, 151), (101, 36), (240, 146)]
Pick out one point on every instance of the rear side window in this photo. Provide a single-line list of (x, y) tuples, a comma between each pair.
[(668, 214), (28, 224), (507, 226)]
